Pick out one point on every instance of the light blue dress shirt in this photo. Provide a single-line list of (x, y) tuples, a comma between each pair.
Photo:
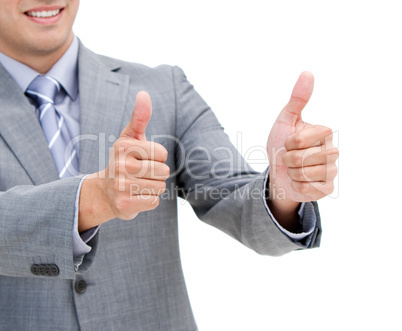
[(65, 71)]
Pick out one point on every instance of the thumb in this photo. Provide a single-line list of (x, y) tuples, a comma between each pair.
[(140, 118), (300, 96)]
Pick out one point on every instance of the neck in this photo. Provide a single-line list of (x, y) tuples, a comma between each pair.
[(41, 61)]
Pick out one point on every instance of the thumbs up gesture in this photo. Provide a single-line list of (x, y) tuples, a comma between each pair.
[(302, 156), (133, 179)]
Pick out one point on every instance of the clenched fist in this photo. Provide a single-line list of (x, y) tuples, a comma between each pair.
[(302, 157), (133, 179)]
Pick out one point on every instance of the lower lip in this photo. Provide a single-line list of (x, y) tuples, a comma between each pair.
[(46, 20)]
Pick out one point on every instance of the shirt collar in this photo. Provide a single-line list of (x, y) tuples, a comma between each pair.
[(65, 70)]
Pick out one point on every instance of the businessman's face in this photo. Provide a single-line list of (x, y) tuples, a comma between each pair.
[(36, 27)]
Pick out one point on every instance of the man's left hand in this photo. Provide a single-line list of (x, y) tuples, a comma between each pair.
[(302, 157)]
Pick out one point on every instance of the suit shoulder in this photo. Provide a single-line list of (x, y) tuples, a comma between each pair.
[(140, 70), (163, 74)]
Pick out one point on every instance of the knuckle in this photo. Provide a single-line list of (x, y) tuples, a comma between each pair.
[(335, 153), (332, 170), (124, 147), (298, 140), (326, 132), (159, 188), (293, 159), (141, 151), (332, 152), (304, 188), (331, 188), (127, 165), (323, 190), (160, 152), (290, 142), (330, 155), (295, 174), (297, 159)]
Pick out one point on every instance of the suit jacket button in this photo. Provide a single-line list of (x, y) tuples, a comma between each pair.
[(35, 269), (46, 270), (41, 270), (53, 270), (80, 286)]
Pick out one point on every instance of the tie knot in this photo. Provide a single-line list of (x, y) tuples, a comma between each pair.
[(43, 90)]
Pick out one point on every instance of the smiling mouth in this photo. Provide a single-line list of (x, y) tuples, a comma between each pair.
[(43, 13)]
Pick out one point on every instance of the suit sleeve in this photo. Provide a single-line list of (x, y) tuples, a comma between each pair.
[(219, 184), (36, 225)]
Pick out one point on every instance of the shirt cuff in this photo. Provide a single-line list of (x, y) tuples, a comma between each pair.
[(307, 218), (80, 247)]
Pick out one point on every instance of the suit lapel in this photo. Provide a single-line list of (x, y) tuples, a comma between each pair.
[(21, 130), (103, 96)]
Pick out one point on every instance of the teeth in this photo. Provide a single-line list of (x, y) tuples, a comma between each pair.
[(45, 14)]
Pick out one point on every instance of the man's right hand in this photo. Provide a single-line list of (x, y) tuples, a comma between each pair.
[(133, 179)]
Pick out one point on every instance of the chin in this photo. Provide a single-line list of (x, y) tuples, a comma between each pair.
[(53, 44)]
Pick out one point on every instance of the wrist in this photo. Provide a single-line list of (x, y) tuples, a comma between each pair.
[(284, 210), (93, 203)]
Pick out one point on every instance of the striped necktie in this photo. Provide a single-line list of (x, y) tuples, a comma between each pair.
[(43, 91)]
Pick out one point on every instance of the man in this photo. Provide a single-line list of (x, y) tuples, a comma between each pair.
[(67, 258)]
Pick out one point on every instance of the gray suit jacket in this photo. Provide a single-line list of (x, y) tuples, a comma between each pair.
[(132, 279)]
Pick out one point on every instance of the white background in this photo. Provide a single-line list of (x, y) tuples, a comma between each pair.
[(243, 58)]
